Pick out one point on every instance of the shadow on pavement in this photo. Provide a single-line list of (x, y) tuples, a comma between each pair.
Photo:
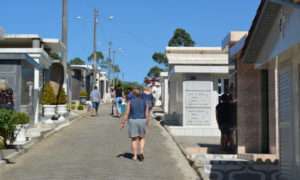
[(125, 155)]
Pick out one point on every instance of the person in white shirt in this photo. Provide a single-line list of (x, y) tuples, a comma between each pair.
[(95, 98)]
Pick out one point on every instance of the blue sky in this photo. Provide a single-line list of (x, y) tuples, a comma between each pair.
[(139, 27)]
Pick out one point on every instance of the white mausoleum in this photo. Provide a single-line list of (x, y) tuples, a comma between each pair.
[(196, 80)]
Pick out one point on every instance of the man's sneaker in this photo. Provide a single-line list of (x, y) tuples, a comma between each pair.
[(141, 157)]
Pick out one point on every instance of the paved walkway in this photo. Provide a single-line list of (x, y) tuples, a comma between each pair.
[(94, 148)]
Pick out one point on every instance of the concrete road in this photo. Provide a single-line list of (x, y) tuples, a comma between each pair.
[(94, 148)]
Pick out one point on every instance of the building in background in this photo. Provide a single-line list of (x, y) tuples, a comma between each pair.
[(273, 46), (38, 60), (82, 80), (197, 77)]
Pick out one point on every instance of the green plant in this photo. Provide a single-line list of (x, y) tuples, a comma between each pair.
[(73, 106), (62, 97), (80, 107), (48, 97), (7, 125), (2, 146), (77, 61), (20, 118), (83, 94), (55, 56)]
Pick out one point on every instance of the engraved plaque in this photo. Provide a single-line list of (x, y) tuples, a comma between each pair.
[(197, 103)]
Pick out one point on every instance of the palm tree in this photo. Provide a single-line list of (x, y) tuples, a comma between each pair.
[(99, 56)]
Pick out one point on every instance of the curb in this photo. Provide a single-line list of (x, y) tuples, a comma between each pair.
[(181, 149), (11, 158)]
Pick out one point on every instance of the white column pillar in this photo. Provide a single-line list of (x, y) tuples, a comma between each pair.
[(222, 86), (36, 99), (104, 90), (166, 95)]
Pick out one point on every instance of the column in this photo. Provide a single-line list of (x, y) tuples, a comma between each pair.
[(36, 92)]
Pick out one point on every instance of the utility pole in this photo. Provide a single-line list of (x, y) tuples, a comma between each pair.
[(64, 33), (113, 64), (96, 14), (64, 39), (109, 60)]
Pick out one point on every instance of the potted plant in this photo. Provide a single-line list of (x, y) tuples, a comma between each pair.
[(83, 97), (80, 107), (7, 126), (21, 120), (48, 100), (12, 127), (62, 102)]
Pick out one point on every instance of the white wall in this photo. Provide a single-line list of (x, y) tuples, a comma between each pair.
[(281, 37)]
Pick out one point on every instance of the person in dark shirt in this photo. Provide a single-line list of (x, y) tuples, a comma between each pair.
[(226, 119), (137, 118)]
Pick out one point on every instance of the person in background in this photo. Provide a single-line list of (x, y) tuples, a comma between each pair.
[(119, 99), (95, 97), (147, 95), (113, 97), (6, 96), (129, 94), (226, 121), (137, 116)]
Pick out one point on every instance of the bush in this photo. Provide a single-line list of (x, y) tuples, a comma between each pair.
[(62, 97), (73, 106), (80, 107), (48, 97), (8, 123), (83, 94), (20, 118), (55, 56), (2, 146)]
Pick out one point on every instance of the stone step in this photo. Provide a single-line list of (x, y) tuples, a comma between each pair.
[(33, 132)]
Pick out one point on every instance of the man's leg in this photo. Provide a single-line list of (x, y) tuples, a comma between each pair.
[(141, 144), (97, 107), (134, 147)]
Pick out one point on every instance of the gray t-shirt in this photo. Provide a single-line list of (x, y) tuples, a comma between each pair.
[(95, 96)]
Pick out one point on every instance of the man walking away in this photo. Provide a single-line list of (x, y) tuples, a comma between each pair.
[(95, 98), (137, 117)]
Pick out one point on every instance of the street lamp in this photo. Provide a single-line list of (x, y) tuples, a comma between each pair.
[(114, 61)]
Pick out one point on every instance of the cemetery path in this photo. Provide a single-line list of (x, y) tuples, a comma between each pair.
[(94, 148)]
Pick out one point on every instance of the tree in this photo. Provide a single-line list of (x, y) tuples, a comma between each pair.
[(160, 58), (154, 71), (48, 96), (115, 68), (181, 38), (99, 56), (77, 61)]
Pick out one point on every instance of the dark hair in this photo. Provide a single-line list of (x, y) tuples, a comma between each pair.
[(226, 98), (136, 92), (95, 87)]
